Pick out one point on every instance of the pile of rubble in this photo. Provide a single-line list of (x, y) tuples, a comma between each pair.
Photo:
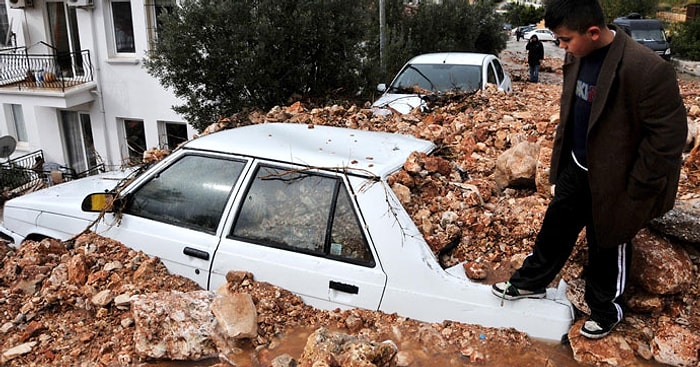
[(484, 190)]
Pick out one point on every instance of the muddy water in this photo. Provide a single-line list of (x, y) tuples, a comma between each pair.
[(541, 354)]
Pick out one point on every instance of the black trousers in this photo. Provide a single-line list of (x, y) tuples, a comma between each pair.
[(567, 214)]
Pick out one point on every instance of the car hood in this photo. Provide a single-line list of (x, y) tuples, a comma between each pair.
[(402, 103), (55, 199)]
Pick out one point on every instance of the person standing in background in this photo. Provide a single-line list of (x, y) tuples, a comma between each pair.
[(535, 53)]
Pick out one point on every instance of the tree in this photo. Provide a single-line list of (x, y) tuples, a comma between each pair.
[(461, 27), (225, 56), (519, 14), (619, 8), (221, 57)]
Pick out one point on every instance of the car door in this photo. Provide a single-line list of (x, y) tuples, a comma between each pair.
[(497, 75), (176, 212), (298, 228)]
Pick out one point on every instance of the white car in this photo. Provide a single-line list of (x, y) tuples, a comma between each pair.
[(438, 73), (306, 209), (542, 35)]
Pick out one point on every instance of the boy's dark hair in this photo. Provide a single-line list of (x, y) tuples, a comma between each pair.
[(577, 15)]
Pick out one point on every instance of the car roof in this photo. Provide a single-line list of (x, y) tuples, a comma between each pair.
[(365, 152), (540, 30), (453, 58), (639, 23)]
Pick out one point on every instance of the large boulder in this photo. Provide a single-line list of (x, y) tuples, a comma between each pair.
[(516, 167), (612, 350), (658, 265), (676, 345), (326, 348), (682, 222)]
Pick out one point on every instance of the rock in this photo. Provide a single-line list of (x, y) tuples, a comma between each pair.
[(17, 351), (402, 192), (682, 222), (612, 350), (174, 325), (326, 348), (675, 345), (544, 188), (77, 270), (517, 165), (102, 298), (476, 270), (285, 360), (235, 315), (404, 358), (659, 266), (575, 290), (644, 302)]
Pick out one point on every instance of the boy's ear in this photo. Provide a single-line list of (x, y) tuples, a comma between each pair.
[(594, 31)]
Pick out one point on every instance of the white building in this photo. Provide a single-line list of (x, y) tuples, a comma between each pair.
[(73, 85)]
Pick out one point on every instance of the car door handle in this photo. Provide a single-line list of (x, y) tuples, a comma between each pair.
[(347, 288), (196, 253)]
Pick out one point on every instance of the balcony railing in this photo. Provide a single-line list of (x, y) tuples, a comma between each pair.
[(26, 172), (60, 70)]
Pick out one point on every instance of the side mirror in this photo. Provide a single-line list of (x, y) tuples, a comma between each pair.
[(381, 87), (98, 202)]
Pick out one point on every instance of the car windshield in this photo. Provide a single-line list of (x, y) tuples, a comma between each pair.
[(438, 78), (648, 35)]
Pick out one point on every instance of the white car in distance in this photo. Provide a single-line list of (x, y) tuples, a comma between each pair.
[(542, 35), (306, 209), (437, 73)]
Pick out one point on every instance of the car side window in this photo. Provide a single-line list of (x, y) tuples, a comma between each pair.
[(491, 75), (301, 211), (499, 70), (192, 192)]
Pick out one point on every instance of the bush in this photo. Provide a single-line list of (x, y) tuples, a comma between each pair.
[(685, 42)]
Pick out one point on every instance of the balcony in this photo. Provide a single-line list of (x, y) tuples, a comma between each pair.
[(29, 173), (60, 80)]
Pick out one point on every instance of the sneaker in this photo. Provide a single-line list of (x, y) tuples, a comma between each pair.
[(595, 330), (505, 290)]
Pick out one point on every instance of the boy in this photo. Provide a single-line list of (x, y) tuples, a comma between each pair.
[(615, 161)]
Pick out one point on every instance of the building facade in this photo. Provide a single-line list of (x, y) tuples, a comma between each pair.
[(73, 84)]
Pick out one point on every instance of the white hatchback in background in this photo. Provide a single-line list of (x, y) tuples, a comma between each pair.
[(306, 209), (542, 35), (440, 73)]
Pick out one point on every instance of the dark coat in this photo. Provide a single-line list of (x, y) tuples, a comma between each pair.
[(636, 134), (535, 52)]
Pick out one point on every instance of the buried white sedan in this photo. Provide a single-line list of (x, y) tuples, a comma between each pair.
[(307, 209)]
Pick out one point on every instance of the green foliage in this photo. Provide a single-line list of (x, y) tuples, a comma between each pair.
[(224, 56), (462, 27), (519, 14), (685, 42), (620, 8)]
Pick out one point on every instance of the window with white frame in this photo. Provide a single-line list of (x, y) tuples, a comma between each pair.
[(16, 127), (153, 11), (78, 144), (123, 27), (134, 140), (171, 134)]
